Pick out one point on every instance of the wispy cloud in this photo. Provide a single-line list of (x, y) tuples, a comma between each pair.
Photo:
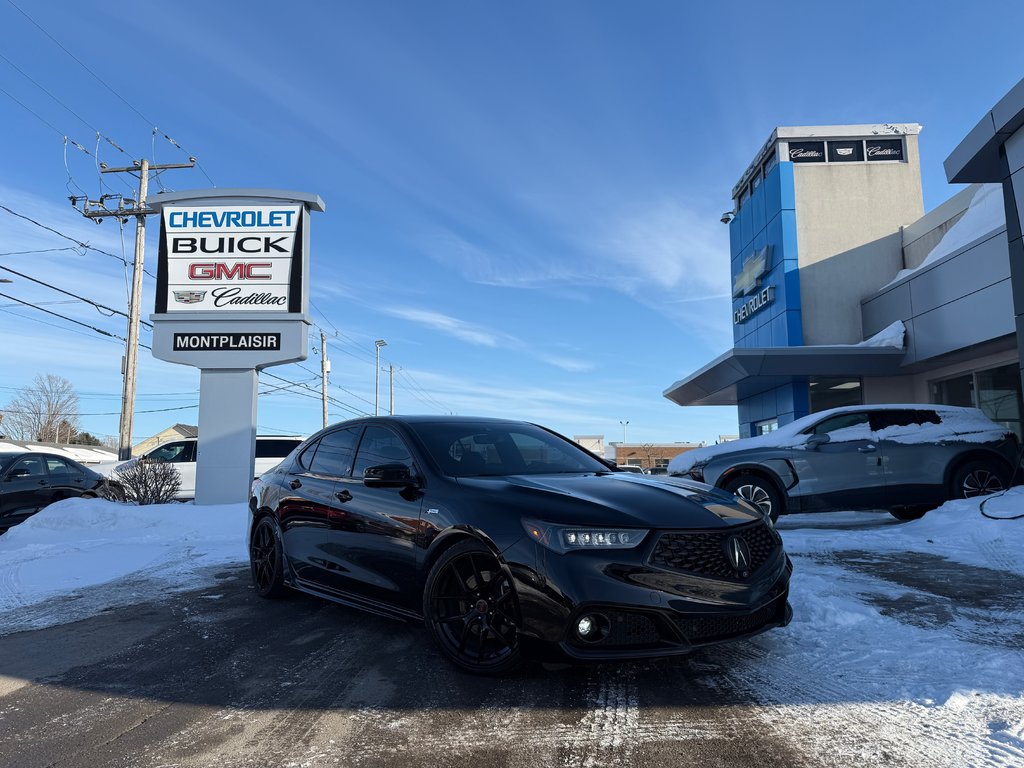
[(459, 329)]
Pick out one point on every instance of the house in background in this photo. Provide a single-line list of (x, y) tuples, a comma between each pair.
[(176, 432)]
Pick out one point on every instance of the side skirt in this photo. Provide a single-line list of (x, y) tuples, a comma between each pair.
[(352, 601)]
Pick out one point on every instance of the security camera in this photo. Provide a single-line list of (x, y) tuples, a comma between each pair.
[(727, 217)]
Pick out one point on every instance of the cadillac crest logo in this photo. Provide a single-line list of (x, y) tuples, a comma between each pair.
[(189, 297)]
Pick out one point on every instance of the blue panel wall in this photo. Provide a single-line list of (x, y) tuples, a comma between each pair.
[(768, 218)]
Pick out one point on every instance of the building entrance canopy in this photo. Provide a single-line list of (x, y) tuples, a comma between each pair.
[(742, 371)]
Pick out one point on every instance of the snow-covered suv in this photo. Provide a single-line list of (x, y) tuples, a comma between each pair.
[(904, 458)]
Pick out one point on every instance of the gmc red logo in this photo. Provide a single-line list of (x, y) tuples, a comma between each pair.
[(217, 270)]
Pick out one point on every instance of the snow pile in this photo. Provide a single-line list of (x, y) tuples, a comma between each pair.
[(890, 336), (78, 543), (984, 215), (956, 531), (967, 425)]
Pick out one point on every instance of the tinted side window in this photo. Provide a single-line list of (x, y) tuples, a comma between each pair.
[(842, 421), (333, 455), (32, 465), (893, 418), (275, 449), (58, 466), (928, 417), (380, 446), (172, 452)]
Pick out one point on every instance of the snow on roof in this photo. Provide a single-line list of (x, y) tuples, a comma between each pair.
[(961, 424), (984, 215)]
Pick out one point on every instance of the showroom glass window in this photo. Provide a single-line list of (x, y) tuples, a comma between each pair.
[(766, 426), (380, 446), (996, 391), (829, 393), (333, 457)]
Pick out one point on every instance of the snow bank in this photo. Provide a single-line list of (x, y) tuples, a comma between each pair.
[(79, 543), (890, 336)]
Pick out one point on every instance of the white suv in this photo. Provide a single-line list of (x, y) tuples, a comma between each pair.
[(270, 450)]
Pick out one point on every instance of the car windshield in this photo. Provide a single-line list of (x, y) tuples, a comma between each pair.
[(474, 449)]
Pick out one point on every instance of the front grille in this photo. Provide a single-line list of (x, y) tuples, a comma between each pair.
[(704, 552), (699, 629)]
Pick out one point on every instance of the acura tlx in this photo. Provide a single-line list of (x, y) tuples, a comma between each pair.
[(510, 541)]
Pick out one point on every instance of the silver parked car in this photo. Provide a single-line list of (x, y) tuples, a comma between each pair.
[(903, 458)]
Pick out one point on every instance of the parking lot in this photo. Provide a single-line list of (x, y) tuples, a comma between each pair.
[(892, 659)]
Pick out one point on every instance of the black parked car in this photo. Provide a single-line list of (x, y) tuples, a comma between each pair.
[(510, 540), (30, 480)]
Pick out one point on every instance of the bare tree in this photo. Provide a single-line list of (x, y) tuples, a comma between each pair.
[(37, 412), (144, 482)]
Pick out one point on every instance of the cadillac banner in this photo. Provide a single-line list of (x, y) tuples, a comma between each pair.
[(230, 258)]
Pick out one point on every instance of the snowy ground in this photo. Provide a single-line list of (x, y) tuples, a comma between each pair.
[(906, 648)]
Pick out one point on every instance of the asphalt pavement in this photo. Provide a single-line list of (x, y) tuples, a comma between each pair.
[(221, 678)]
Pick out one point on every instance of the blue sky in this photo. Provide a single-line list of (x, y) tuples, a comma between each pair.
[(522, 198)]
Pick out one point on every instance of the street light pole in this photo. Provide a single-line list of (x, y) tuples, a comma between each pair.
[(376, 388), (623, 423)]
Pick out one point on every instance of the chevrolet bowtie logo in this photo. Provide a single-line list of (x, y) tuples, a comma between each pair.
[(753, 269)]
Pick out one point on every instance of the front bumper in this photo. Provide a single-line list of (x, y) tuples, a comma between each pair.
[(646, 610)]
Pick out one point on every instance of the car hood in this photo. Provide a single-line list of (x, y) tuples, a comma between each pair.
[(617, 499)]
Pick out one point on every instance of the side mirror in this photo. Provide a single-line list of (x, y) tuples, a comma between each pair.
[(815, 441), (395, 475)]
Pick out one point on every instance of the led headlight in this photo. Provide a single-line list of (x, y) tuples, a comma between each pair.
[(563, 538)]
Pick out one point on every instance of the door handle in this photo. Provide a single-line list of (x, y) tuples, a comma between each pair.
[(343, 496), (867, 449), (295, 484), (42, 482)]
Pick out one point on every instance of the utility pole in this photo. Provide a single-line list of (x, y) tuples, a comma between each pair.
[(97, 210), (376, 385), (391, 376), (325, 368)]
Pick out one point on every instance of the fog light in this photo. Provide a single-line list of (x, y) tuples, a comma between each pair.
[(592, 628)]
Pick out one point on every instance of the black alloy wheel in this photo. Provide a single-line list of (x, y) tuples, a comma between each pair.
[(759, 492), (471, 610), (977, 478), (265, 559)]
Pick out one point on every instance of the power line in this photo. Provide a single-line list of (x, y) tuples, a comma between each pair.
[(74, 295), (316, 394), (79, 243), (49, 93), (51, 325), (111, 413), (106, 85), (65, 317)]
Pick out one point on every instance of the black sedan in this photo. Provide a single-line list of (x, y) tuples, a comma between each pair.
[(31, 480), (510, 540)]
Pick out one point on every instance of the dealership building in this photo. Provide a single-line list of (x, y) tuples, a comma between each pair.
[(846, 292)]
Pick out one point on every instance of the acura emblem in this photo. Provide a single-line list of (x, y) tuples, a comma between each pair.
[(738, 553)]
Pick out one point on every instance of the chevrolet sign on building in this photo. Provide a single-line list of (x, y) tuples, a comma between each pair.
[(231, 299)]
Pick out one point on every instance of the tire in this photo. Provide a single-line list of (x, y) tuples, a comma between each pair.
[(758, 491), (266, 561), (471, 610), (977, 478)]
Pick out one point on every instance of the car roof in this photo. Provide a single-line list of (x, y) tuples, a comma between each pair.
[(434, 419)]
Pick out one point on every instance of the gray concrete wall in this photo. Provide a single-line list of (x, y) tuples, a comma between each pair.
[(851, 211), (894, 389)]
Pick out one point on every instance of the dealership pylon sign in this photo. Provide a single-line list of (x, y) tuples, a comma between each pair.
[(232, 298)]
